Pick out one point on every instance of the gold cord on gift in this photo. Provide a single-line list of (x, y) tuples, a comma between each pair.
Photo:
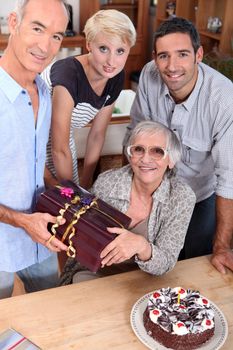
[(71, 250), (70, 230), (108, 216), (59, 218), (62, 212)]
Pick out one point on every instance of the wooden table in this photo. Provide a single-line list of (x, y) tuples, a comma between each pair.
[(95, 315), (69, 42)]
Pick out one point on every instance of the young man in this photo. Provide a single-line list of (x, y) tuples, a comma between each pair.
[(36, 31), (195, 101)]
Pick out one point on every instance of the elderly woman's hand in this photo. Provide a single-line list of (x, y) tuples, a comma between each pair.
[(123, 247)]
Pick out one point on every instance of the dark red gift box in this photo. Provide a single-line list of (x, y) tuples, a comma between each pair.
[(86, 220)]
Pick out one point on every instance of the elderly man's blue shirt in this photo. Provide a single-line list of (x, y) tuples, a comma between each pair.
[(22, 159)]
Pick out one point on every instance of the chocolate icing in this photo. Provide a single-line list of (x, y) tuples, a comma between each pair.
[(191, 314)]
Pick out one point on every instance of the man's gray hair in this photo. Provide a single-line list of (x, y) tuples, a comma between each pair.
[(151, 128), (21, 4)]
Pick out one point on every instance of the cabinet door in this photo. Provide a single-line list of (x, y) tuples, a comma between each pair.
[(183, 8), (207, 9), (130, 7), (137, 10), (226, 42), (223, 9), (87, 8)]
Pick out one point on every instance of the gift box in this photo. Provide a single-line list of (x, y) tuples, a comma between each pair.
[(87, 218)]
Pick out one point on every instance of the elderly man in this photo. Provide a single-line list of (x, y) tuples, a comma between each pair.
[(36, 32)]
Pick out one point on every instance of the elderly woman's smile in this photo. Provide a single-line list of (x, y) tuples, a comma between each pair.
[(149, 157)]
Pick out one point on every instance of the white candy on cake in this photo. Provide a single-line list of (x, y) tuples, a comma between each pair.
[(179, 319)]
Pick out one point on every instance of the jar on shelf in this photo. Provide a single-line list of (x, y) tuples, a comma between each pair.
[(171, 9), (214, 24)]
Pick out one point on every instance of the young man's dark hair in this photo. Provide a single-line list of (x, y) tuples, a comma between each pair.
[(178, 25)]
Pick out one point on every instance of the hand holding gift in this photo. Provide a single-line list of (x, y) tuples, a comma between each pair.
[(87, 218), (36, 225), (125, 246)]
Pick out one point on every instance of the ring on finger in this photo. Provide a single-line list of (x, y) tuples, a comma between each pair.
[(50, 239)]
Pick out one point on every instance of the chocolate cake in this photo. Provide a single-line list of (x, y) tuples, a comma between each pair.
[(179, 319)]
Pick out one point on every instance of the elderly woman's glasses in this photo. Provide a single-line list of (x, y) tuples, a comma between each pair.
[(154, 152)]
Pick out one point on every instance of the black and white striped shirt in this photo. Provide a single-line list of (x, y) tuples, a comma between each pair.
[(70, 74)]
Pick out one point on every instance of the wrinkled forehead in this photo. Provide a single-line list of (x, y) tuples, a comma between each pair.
[(52, 11), (153, 137)]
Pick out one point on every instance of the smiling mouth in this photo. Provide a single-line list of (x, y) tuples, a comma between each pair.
[(174, 76), (109, 69), (38, 56), (147, 168)]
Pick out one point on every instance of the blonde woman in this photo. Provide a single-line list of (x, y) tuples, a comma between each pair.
[(84, 89)]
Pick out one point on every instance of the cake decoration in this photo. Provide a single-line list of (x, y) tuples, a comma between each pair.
[(179, 319)]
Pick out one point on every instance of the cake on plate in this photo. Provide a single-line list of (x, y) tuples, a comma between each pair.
[(179, 318)]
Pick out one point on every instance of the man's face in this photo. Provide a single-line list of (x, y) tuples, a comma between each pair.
[(177, 63), (37, 38)]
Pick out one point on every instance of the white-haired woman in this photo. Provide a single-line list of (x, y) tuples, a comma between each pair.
[(159, 204), (84, 89)]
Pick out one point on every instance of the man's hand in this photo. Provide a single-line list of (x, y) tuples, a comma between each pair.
[(222, 254), (222, 259), (36, 226)]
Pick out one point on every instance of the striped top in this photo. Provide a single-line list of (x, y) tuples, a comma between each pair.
[(69, 73)]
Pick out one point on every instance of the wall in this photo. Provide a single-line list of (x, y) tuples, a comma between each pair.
[(115, 132)]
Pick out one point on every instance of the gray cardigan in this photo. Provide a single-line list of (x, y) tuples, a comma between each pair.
[(173, 204)]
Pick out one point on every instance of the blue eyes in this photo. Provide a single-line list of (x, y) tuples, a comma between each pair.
[(105, 49)]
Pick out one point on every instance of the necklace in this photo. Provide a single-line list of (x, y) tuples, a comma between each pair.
[(140, 202)]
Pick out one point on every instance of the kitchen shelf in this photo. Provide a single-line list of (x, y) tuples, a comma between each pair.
[(198, 11)]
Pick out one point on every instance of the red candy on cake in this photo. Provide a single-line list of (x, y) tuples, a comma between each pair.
[(179, 319), (156, 295)]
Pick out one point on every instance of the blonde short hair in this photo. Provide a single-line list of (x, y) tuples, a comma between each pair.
[(110, 22)]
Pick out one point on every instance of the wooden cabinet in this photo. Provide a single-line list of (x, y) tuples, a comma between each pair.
[(198, 11), (216, 8), (184, 8), (138, 11)]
